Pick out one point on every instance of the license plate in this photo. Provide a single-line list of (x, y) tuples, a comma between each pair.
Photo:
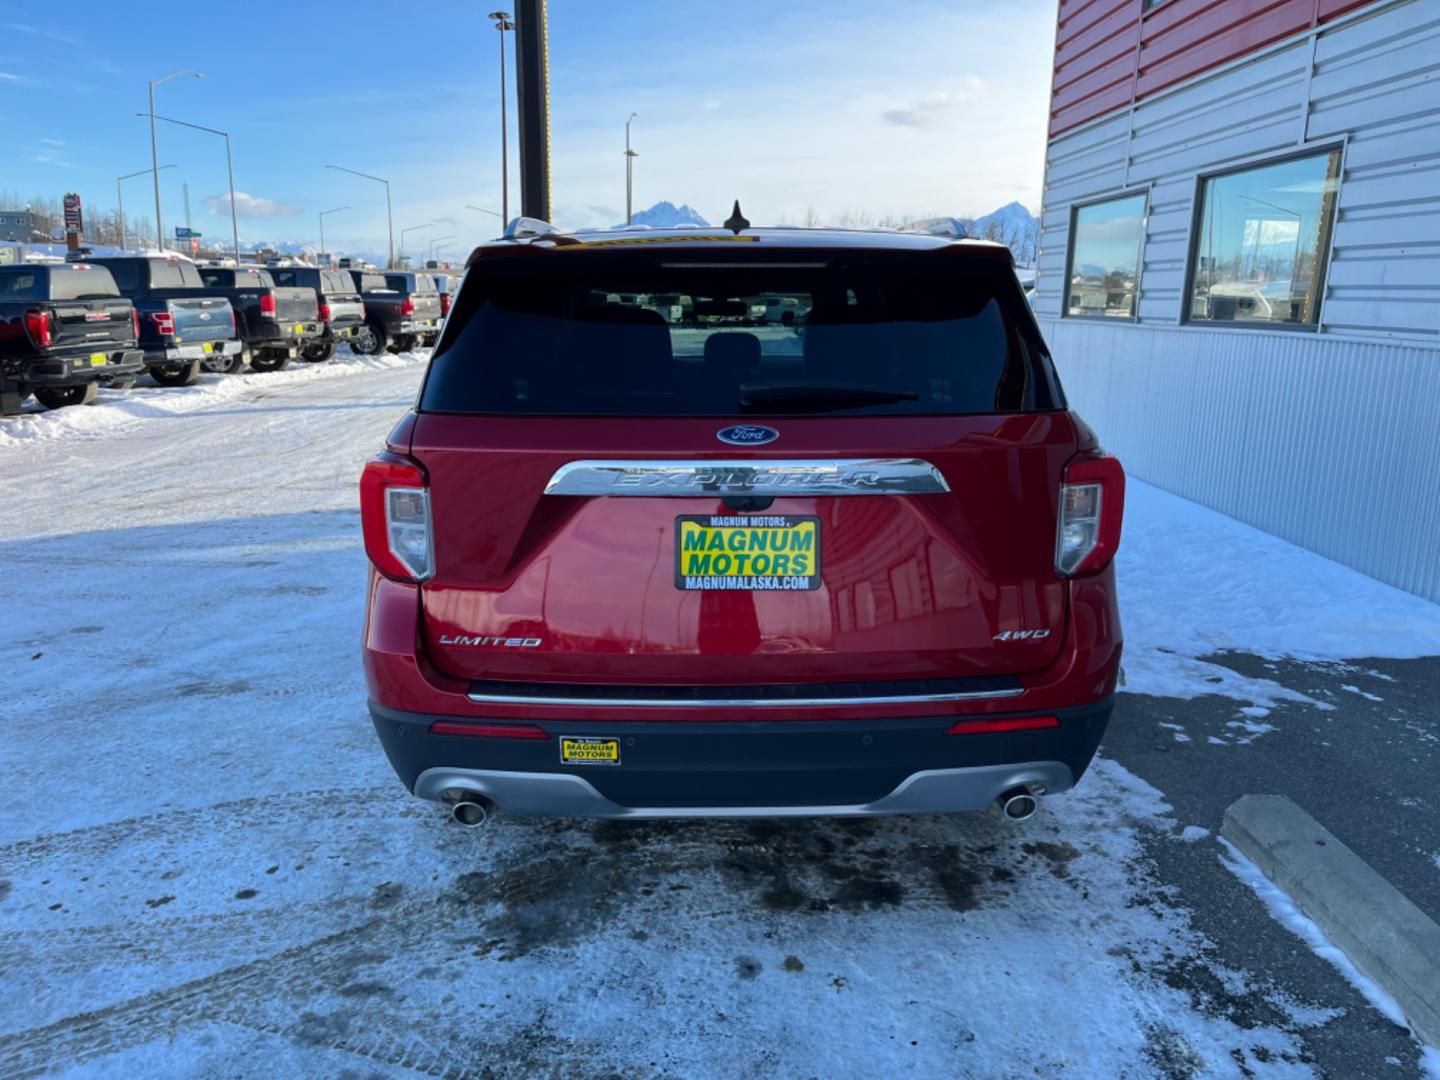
[(589, 751), (299, 329), (208, 348), (98, 359), (751, 552)]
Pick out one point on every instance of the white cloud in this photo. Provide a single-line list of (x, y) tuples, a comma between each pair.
[(940, 110), (250, 206)]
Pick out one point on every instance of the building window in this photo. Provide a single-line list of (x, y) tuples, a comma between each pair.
[(1105, 258), (1259, 254)]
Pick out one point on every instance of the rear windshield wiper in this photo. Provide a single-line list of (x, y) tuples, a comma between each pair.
[(818, 397)]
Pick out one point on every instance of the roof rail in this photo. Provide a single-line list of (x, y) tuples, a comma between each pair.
[(940, 226), (529, 226)]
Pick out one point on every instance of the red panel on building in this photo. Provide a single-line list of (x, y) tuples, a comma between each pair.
[(1111, 53)]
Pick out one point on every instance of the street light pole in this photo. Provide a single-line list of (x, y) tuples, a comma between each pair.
[(229, 171), (503, 23), (155, 149), (412, 228), (630, 157), (435, 241), (389, 215), (336, 210), (120, 197)]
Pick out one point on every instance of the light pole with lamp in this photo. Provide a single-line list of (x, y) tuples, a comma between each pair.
[(336, 210), (389, 217), (630, 157), (155, 148), (503, 23), (412, 228), (229, 172), (435, 241), (120, 198)]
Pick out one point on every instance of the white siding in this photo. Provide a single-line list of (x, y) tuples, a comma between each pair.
[(1329, 439)]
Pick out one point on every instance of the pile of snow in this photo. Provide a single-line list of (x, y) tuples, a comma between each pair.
[(1194, 583), (115, 410)]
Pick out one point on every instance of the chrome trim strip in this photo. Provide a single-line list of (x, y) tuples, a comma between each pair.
[(736, 703), (749, 476), (529, 794)]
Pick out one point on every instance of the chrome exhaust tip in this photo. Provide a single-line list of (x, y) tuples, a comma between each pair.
[(471, 809), (1017, 804)]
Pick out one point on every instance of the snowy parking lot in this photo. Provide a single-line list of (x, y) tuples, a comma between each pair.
[(207, 867)]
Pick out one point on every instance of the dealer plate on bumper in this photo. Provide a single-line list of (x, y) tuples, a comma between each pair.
[(747, 551), (584, 750)]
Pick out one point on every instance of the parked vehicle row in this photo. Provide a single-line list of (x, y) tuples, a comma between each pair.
[(67, 329)]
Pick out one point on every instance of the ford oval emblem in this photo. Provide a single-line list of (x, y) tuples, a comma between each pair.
[(747, 435)]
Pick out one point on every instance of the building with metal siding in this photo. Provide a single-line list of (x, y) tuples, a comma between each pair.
[(1308, 406)]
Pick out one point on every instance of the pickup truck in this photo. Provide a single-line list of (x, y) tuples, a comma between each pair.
[(181, 329), (64, 331), (402, 310), (342, 312), (276, 322)]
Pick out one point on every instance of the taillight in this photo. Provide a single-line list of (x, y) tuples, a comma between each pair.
[(324, 310), (1092, 504), (267, 303), (164, 322), (395, 518), (444, 304), (407, 306), (1000, 724), (135, 323), (37, 325)]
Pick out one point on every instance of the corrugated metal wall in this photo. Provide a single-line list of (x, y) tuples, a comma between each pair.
[(1112, 53), (1329, 439)]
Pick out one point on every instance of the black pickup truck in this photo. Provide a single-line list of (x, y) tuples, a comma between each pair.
[(276, 322), (402, 310), (342, 312), (64, 332), (181, 328)]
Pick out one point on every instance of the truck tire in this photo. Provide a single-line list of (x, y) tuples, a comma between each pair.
[(229, 364), (57, 397), (403, 343), (369, 341), (318, 354), (11, 400), (270, 360), (176, 374)]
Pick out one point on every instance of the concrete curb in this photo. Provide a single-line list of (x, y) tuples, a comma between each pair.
[(1386, 936)]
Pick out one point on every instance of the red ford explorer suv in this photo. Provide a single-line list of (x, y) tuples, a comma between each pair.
[(740, 523)]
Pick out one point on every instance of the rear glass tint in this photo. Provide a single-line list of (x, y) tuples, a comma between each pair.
[(19, 285), (336, 282), (373, 283), (165, 275), (885, 333), (91, 283)]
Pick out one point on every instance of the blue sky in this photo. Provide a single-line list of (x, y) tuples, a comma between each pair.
[(839, 105)]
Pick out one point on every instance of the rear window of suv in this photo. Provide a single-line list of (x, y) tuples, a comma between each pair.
[(588, 333)]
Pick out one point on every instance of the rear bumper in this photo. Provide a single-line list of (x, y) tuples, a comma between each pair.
[(757, 769), (78, 370), (183, 354), (420, 326)]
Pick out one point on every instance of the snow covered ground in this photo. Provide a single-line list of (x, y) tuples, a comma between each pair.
[(206, 860)]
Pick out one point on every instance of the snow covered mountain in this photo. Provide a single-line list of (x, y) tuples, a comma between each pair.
[(1012, 225), (666, 215)]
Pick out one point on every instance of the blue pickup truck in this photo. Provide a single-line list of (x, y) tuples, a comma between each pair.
[(181, 328)]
